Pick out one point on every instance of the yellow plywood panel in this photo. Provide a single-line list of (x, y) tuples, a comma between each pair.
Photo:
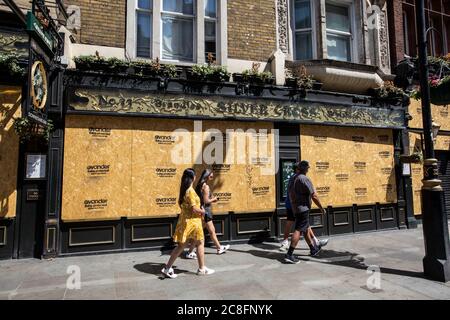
[(350, 165), (415, 144), (10, 108), (442, 143), (156, 170), (141, 161), (97, 168), (440, 115), (261, 167)]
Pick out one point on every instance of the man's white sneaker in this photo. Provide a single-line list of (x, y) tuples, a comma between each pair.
[(284, 245), (223, 249), (205, 271), (190, 255), (323, 242), (169, 273)]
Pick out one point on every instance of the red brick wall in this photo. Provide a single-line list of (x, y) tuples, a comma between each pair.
[(396, 40)]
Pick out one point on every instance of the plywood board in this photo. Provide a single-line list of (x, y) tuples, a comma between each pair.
[(350, 165), (415, 144), (97, 168), (261, 167), (10, 108), (146, 158), (440, 115), (156, 169)]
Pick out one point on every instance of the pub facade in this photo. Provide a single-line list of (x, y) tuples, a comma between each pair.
[(246, 88)]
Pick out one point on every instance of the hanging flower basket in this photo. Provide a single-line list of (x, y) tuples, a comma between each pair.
[(31, 131), (440, 94)]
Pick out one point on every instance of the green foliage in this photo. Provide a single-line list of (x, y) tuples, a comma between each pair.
[(210, 72), (9, 65), (253, 74), (28, 130), (142, 67), (389, 90)]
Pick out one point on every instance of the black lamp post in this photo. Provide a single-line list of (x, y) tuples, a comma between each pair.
[(436, 263)]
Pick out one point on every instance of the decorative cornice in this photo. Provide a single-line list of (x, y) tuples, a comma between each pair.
[(216, 107)]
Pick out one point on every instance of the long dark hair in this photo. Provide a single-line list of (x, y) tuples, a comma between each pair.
[(186, 181), (203, 178)]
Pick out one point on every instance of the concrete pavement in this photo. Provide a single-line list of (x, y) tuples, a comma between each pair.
[(245, 272)]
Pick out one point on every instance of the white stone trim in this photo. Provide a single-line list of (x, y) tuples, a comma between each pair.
[(199, 32)]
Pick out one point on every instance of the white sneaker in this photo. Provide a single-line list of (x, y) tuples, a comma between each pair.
[(190, 255), (169, 273), (223, 249), (284, 245), (323, 242), (205, 271)]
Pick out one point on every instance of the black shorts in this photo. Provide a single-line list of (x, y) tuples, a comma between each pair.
[(290, 214), (208, 215), (302, 221)]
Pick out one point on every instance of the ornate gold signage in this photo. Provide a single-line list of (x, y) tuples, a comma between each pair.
[(135, 102), (39, 87)]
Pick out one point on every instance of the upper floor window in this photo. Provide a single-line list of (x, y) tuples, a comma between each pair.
[(437, 18), (144, 28), (210, 29), (303, 30), (335, 32), (177, 30), (339, 32)]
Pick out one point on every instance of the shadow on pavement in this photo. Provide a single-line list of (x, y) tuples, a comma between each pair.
[(354, 260), (333, 257), (155, 268)]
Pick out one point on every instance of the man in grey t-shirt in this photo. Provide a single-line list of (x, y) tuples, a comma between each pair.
[(302, 193)]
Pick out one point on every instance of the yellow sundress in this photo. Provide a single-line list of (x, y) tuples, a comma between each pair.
[(189, 226)]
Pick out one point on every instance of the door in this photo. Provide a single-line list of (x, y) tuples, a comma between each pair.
[(32, 205), (444, 174)]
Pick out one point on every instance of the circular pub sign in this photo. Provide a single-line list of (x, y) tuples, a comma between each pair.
[(39, 87)]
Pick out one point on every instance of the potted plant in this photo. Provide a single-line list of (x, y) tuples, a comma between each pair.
[(91, 62), (116, 65), (440, 91), (391, 94), (254, 77), (10, 68), (439, 81), (31, 131), (141, 67), (218, 74), (198, 73), (302, 81)]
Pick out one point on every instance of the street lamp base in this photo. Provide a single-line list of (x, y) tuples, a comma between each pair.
[(436, 263), (435, 269)]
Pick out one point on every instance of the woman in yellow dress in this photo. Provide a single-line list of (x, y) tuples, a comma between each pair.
[(189, 227)]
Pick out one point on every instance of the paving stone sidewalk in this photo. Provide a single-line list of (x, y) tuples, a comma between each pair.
[(246, 272)]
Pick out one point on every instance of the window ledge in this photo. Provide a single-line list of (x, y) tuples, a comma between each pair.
[(342, 76)]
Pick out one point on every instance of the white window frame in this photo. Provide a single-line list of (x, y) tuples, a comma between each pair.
[(199, 29), (406, 33), (212, 19), (182, 16), (150, 13), (351, 35), (313, 30)]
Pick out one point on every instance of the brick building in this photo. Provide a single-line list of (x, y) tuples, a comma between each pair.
[(111, 184), (403, 35)]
